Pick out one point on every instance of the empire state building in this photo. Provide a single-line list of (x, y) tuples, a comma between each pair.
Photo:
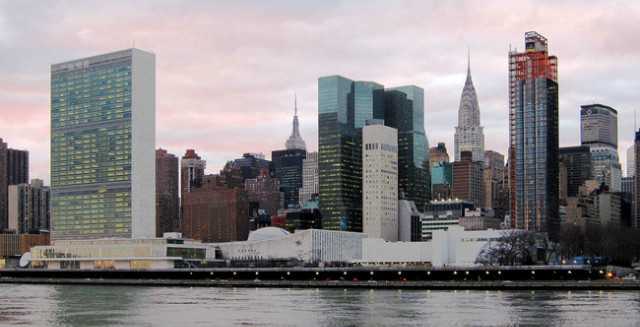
[(469, 136)]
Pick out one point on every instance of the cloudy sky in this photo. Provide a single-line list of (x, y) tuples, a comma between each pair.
[(227, 71)]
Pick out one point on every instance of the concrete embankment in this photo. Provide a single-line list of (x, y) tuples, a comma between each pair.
[(426, 285), (379, 277)]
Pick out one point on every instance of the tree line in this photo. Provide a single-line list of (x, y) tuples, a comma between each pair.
[(617, 245)]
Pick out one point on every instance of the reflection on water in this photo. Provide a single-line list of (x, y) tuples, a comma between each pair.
[(70, 305), (76, 305)]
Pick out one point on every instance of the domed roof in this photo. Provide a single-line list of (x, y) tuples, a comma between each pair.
[(267, 233)]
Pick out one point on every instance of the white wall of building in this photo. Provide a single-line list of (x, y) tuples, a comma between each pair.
[(406, 209), (312, 245), (380, 182), (13, 201), (143, 144), (457, 247), (310, 177), (377, 250)]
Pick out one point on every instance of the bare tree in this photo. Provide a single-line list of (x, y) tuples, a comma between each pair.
[(517, 247), (571, 241)]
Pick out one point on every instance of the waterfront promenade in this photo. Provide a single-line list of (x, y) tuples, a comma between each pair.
[(476, 278)]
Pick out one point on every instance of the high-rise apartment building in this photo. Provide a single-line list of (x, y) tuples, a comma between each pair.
[(4, 187), (599, 131), (288, 164), (29, 207), (494, 162), (533, 137), (309, 188), (251, 165), (577, 160), (102, 146), (380, 181), (469, 135), (404, 111), (628, 186), (494, 181), (17, 166), (14, 170), (631, 159), (167, 194), (635, 219), (468, 179), (264, 191), (191, 171), (217, 210)]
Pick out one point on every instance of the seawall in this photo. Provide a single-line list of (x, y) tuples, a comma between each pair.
[(596, 285)]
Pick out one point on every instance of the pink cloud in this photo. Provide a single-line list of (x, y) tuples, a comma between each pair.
[(227, 71)]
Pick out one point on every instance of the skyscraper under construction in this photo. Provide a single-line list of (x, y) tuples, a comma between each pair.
[(533, 137)]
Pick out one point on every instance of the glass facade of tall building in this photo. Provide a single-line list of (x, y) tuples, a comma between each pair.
[(287, 164), (441, 173), (577, 160), (288, 170), (404, 110), (344, 106), (103, 146), (339, 154), (533, 137), (599, 131)]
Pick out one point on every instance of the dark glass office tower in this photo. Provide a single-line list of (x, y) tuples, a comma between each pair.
[(635, 219), (577, 159), (533, 137), (404, 110), (287, 164), (343, 108)]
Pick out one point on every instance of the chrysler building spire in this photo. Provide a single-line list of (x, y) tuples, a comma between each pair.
[(295, 141), (469, 135)]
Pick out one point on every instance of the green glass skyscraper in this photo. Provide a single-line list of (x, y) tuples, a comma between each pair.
[(103, 146), (344, 106), (404, 110)]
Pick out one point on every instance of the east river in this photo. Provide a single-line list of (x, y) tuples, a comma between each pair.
[(81, 305)]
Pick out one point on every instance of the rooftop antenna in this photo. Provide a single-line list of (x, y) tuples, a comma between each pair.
[(295, 103), (468, 58), (634, 120)]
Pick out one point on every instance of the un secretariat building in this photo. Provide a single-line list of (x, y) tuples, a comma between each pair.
[(103, 146)]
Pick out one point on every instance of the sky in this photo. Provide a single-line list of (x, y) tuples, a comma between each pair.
[(227, 71)]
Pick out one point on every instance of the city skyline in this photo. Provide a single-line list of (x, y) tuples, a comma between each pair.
[(233, 93)]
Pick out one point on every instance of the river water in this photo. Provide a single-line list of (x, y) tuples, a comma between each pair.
[(79, 305)]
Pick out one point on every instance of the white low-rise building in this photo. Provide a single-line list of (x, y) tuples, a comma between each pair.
[(453, 247), (308, 246), (379, 251), (457, 247), (153, 253)]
